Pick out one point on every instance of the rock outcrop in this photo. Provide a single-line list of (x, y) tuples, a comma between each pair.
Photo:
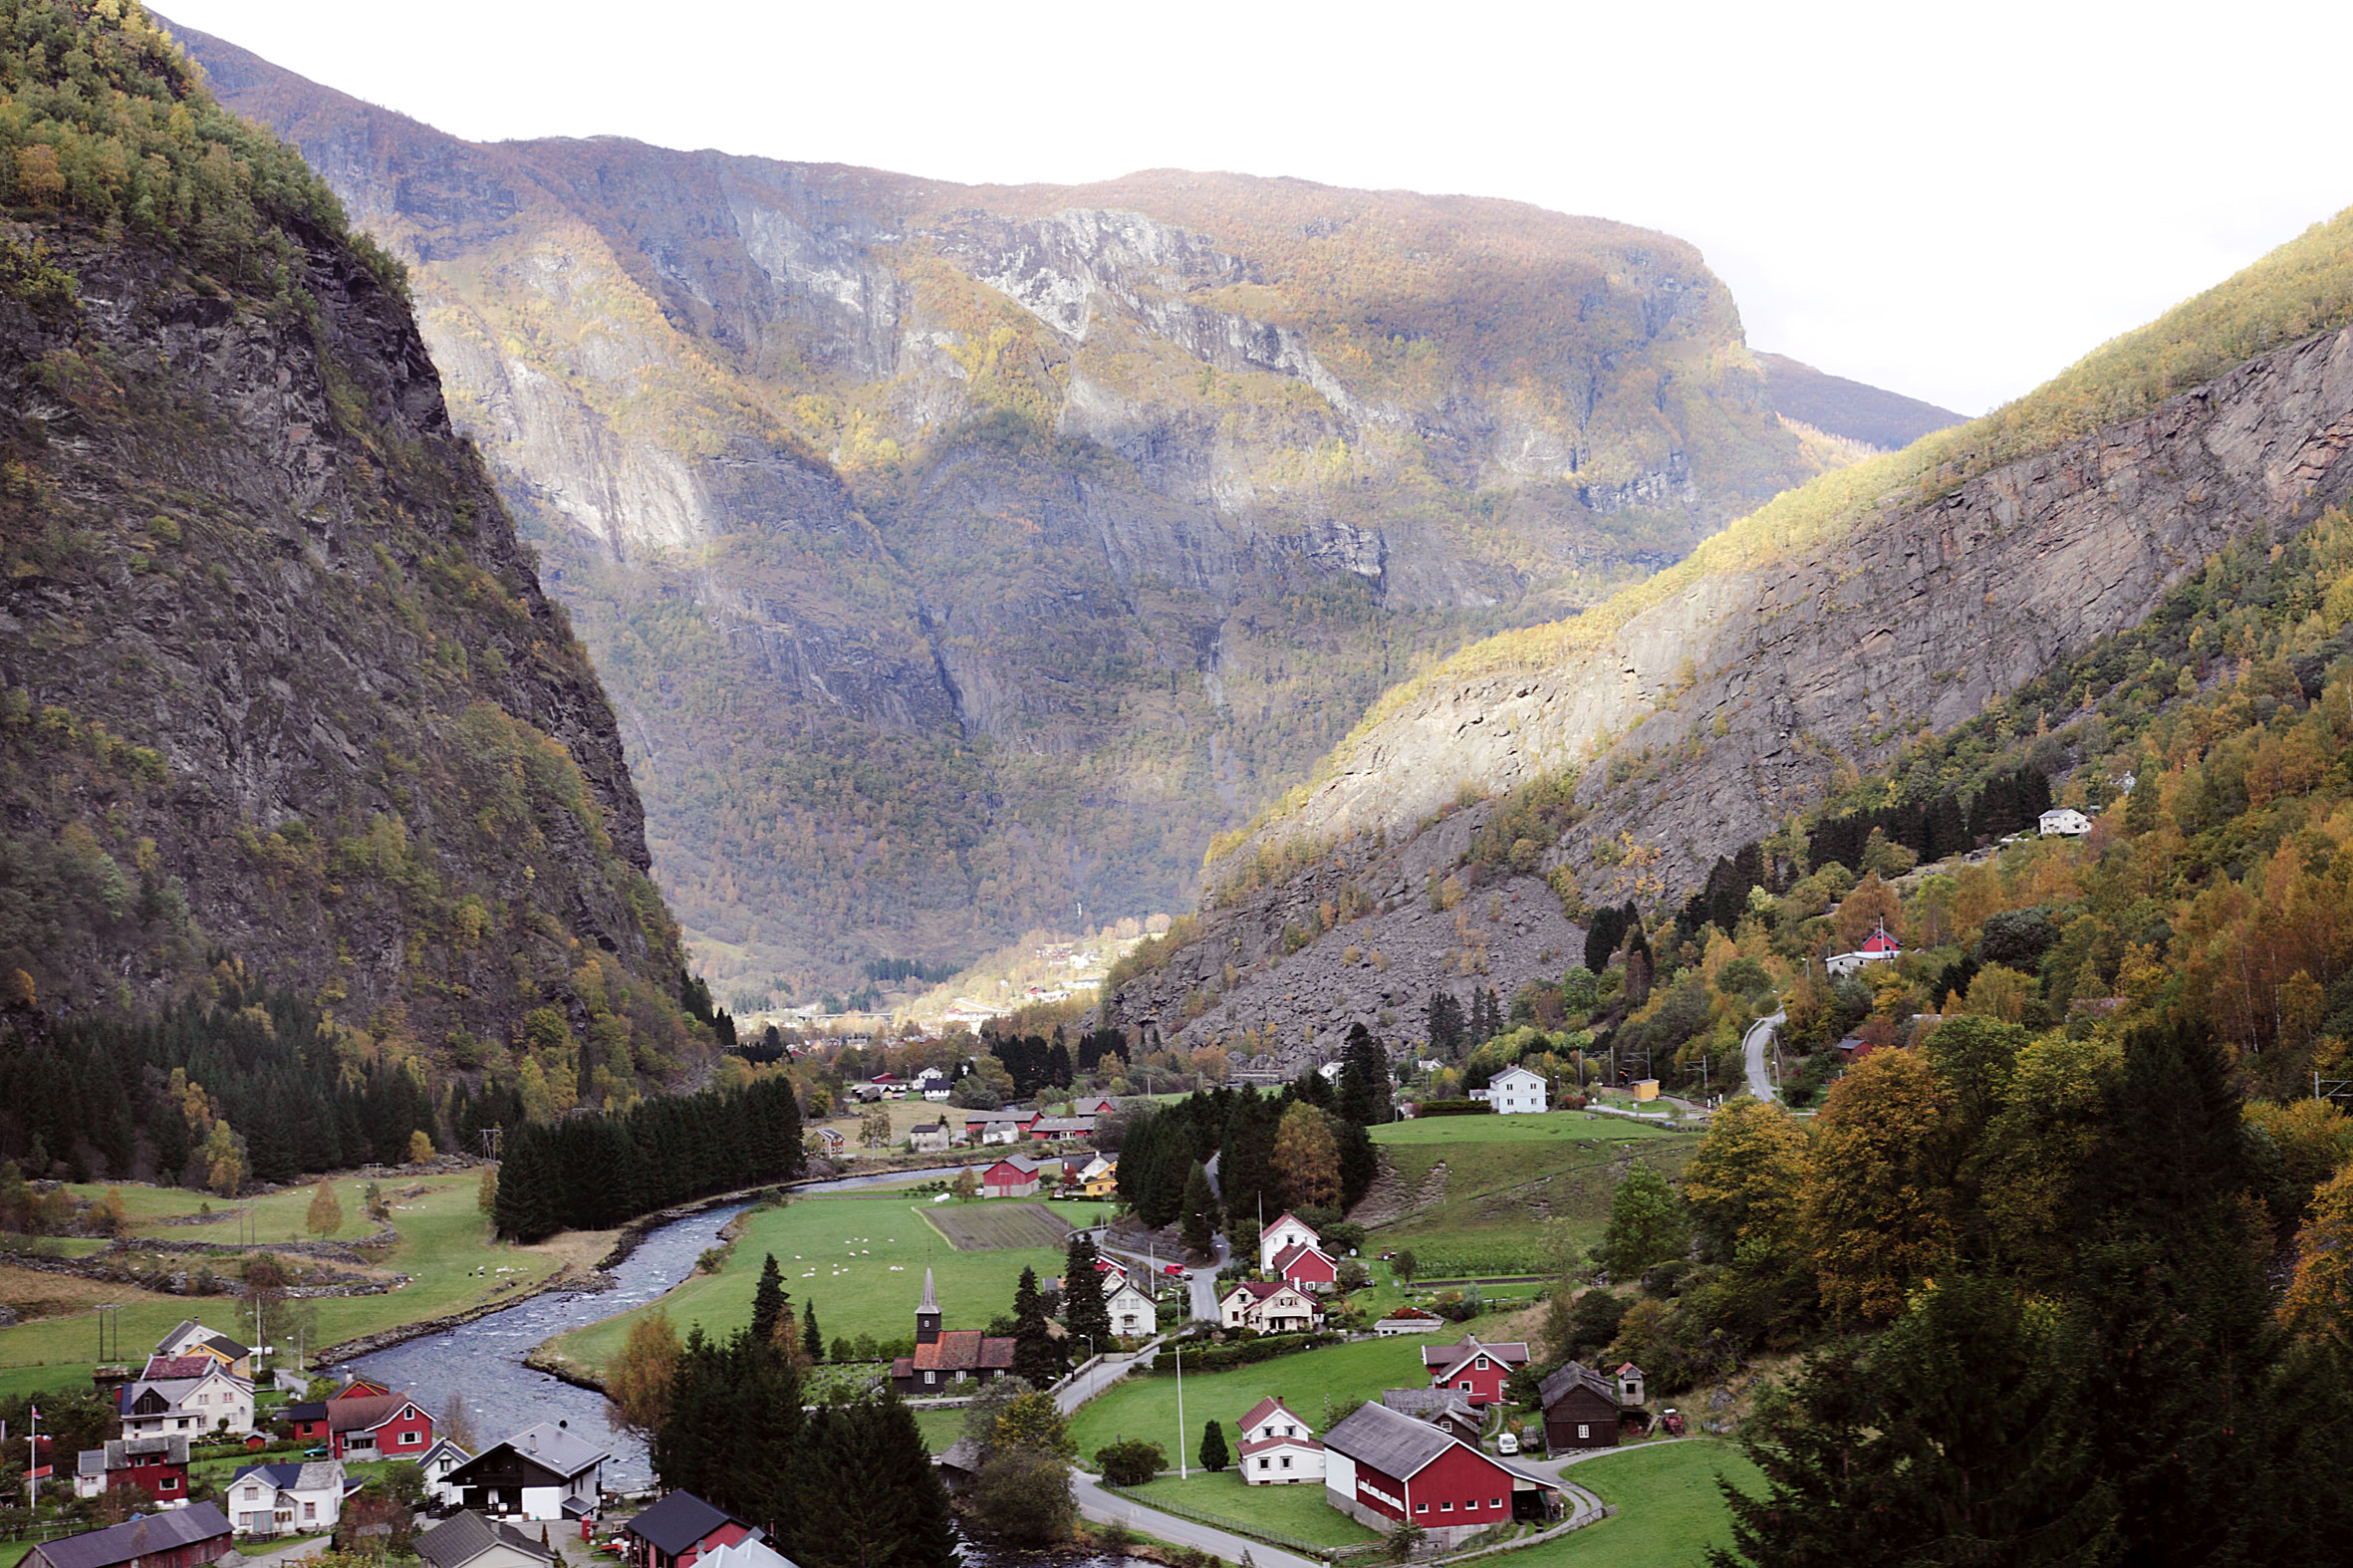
[(956, 554)]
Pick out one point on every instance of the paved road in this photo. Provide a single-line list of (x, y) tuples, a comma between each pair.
[(1205, 1285), (1759, 1041), (1099, 1377), (1108, 1508)]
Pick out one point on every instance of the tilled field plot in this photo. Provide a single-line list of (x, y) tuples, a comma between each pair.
[(980, 1227)]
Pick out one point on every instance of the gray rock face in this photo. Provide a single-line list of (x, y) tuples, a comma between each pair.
[(1921, 616)]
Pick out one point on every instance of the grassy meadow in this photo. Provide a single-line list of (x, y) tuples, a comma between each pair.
[(1298, 1511), (444, 1240), (1669, 1510), (862, 1260)]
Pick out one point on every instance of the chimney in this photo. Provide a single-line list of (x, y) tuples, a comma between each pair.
[(531, 1441)]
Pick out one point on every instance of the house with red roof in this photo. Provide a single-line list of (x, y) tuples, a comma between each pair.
[(1383, 1468), (1877, 947), (1269, 1306), (1474, 1369), (1277, 1447), (1308, 1267), (941, 1358)]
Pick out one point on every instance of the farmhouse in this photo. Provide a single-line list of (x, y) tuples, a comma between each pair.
[(1408, 1320), (544, 1472), (378, 1426), (1051, 1128), (1580, 1410), (1444, 1408), (1132, 1311), (190, 1394), (1270, 1306), (930, 1139), (1513, 1093), (1473, 1370), (1384, 1468), (1286, 1232), (181, 1539), (829, 1140), (1277, 1447), (2064, 822), (158, 1466), (934, 1084), (679, 1530), (1877, 947), (997, 1127), (287, 1499), (194, 1338), (1309, 1267), (941, 1358), (437, 1462), (1015, 1175), (470, 1541)]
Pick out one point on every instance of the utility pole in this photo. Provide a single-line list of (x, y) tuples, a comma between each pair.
[(1183, 1473), (33, 1457)]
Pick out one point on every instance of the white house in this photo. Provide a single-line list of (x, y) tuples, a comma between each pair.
[(190, 1394), (546, 1472), (2065, 821), (436, 1463), (1285, 1233), (1513, 1093), (1131, 1312), (933, 1084), (932, 1139), (287, 1499), (1269, 1306), (1879, 947), (471, 1541), (1277, 1447)]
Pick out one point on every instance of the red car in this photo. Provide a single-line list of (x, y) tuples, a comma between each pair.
[(1173, 1270)]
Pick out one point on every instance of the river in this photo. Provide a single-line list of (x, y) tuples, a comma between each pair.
[(484, 1358)]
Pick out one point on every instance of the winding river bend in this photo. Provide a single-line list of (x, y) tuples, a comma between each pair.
[(483, 1360)]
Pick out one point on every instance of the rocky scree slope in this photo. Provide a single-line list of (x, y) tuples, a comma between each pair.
[(278, 684), (955, 554), (1699, 711)]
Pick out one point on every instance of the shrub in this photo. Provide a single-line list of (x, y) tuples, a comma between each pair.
[(1130, 1463)]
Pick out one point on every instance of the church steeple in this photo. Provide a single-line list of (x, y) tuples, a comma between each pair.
[(927, 1313)]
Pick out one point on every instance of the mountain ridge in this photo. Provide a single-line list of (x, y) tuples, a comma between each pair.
[(1059, 526)]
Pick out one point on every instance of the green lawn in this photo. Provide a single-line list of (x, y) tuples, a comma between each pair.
[(1298, 1511), (1142, 1405), (860, 1259), (444, 1240), (1668, 1508), (1511, 1179), (1552, 1126), (941, 1429)]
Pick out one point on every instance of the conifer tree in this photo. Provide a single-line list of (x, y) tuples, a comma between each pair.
[(1364, 1079), (768, 1301), (326, 1216), (1084, 1312), (869, 1494), (1200, 1210), (1037, 1356), (812, 1342), (1214, 1457)]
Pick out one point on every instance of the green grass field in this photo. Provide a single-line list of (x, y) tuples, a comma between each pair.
[(940, 1428), (1299, 1510), (1551, 1127), (1509, 1180), (1145, 1407), (1669, 1510), (444, 1240), (860, 1259)]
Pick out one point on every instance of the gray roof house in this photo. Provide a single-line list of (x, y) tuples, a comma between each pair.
[(467, 1540), (175, 1538)]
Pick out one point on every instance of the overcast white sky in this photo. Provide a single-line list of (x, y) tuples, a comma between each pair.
[(1953, 201)]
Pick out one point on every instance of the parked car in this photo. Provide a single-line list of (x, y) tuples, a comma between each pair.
[(1508, 1443), (1173, 1270)]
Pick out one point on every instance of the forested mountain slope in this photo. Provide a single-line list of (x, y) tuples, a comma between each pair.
[(282, 704), (1853, 409), (1635, 744), (958, 554)]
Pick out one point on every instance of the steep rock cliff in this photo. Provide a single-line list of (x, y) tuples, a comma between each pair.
[(278, 684), (958, 554)]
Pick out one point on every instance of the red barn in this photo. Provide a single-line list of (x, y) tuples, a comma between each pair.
[(1383, 1468), (1474, 1371), (1308, 1267), (1013, 1176)]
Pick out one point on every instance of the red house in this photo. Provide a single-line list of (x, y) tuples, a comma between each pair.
[(1012, 1176), (1383, 1468), (1308, 1267), (1473, 1370), (370, 1425), (677, 1530), (158, 1466)]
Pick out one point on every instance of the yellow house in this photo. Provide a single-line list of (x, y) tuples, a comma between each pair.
[(1104, 1183), (1646, 1089)]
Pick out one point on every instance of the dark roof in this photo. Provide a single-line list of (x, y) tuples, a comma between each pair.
[(1570, 1378), (466, 1536), (962, 1454), (679, 1521), (120, 1451), (1391, 1442), (228, 1347), (120, 1543), (162, 1369), (308, 1410)]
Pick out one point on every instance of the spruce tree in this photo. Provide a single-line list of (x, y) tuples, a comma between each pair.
[(1200, 1210), (1084, 1312), (768, 1302), (869, 1494), (1214, 1457), (1364, 1079), (811, 1341), (1037, 1356)]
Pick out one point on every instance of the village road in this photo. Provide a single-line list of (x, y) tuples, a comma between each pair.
[(1106, 1507), (1758, 1042)]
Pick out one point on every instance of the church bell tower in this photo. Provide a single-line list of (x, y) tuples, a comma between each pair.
[(927, 1314)]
